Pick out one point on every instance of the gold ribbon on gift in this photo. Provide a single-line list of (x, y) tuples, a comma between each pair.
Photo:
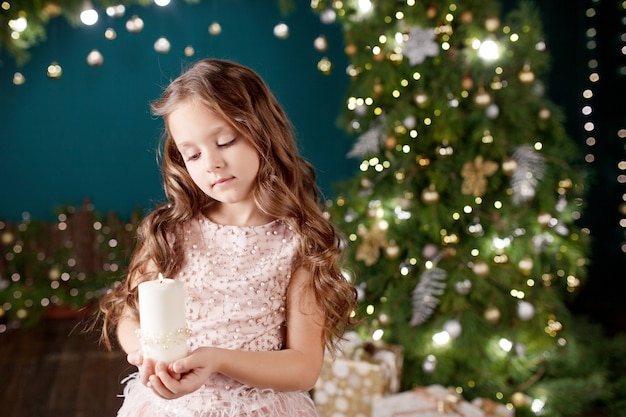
[(448, 404), (389, 357), (446, 400)]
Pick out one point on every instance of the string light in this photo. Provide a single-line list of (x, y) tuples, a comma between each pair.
[(488, 50), (89, 16)]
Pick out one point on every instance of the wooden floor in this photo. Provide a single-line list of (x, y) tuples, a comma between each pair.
[(56, 370)]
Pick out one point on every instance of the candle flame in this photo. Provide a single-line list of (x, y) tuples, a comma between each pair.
[(161, 278)]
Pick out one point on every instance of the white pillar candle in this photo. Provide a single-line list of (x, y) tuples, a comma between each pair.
[(163, 328)]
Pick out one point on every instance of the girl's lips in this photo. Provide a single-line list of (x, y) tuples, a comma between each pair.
[(222, 181)]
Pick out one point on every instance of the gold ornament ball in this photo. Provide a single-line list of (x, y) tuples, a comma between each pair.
[(51, 9), (492, 315), (526, 265), (482, 99), (378, 88), (509, 165), (431, 12), (526, 76), (492, 24), (544, 219), (481, 269), (18, 78), (566, 184), (325, 66), (422, 161), (54, 274), (7, 238), (54, 71), (391, 142), (448, 253), (430, 196), (544, 114), (215, 29), (350, 49), (467, 83), (392, 251), (467, 16), (518, 399), (420, 99)]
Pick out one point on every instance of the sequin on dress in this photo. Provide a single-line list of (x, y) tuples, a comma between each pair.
[(235, 281)]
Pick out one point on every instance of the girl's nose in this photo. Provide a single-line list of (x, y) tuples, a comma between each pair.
[(213, 162)]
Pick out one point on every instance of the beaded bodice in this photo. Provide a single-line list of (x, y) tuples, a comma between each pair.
[(236, 281)]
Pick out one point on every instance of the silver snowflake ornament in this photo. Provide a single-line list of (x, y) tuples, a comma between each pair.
[(421, 44)]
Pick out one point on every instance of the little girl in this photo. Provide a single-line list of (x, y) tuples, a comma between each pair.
[(243, 230)]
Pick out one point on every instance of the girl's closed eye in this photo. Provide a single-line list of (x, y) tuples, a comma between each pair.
[(227, 144), (193, 157)]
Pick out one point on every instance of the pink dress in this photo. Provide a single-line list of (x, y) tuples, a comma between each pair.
[(235, 280)]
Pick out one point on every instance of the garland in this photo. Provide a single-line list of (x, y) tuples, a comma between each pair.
[(23, 22)]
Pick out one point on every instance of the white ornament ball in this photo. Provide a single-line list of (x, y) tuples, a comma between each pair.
[(320, 43), (328, 16), (281, 31), (492, 111), (134, 24), (162, 46), (525, 310), (429, 364), (95, 58), (360, 292), (110, 34), (55, 71), (215, 29), (18, 78), (453, 327), (429, 251), (463, 287), (361, 110), (410, 122)]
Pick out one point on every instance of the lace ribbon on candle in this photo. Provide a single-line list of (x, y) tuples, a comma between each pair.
[(176, 337)]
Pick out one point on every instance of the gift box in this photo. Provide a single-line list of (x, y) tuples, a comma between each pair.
[(349, 383), (434, 401)]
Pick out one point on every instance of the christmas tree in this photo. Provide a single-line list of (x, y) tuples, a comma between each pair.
[(464, 220)]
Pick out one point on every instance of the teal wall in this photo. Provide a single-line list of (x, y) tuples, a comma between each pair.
[(89, 134)]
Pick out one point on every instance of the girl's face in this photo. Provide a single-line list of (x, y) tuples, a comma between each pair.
[(221, 162)]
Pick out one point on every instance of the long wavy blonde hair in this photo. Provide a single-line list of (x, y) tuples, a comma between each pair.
[(285, 189)]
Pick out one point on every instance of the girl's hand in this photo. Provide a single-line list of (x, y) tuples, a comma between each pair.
[(181, 377), (145, 366)]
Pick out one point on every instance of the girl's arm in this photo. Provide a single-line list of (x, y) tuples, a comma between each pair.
[(126, 333), (295, 368)]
